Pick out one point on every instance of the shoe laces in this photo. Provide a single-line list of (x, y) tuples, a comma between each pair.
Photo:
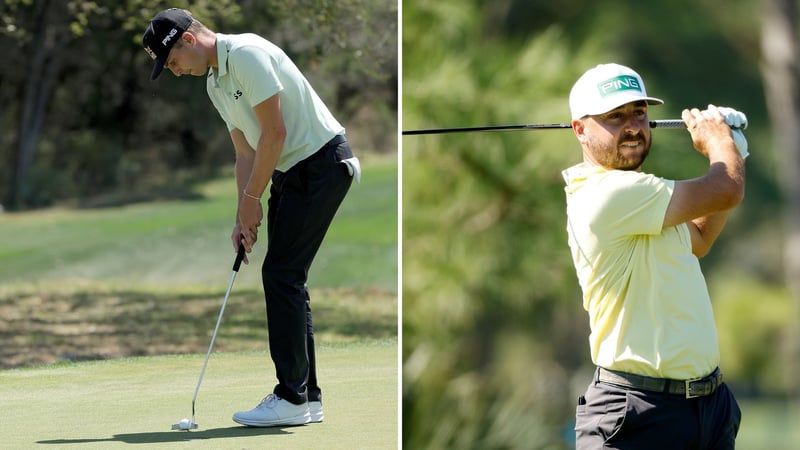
[(269, 401)]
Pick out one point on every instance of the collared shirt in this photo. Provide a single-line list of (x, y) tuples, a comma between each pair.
[(250, 70), (649, 308)]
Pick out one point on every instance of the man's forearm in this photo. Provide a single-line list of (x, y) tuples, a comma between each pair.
[(705, 231), (243, 169), (245, 158), (270, 144), (264, 164)]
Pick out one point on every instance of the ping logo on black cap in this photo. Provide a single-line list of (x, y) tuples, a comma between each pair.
[(160, 35), (166, 40)]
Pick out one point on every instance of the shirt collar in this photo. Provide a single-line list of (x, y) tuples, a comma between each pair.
[(223, 46), (577, 174)]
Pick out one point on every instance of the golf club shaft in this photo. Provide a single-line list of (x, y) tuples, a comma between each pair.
[(237, 263), (676, 123)]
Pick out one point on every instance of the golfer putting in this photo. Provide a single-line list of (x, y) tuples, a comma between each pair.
[(281, 132), (635, 240)]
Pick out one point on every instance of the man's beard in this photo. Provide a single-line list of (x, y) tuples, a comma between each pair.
[(610, 156)]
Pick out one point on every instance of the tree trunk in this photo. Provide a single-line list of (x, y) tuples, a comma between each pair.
[(46, 50), (781, 73)]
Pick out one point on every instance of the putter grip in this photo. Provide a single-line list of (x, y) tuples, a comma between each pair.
[(239, 257)]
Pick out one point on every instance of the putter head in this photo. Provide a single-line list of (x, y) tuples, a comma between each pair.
[(184, 425)]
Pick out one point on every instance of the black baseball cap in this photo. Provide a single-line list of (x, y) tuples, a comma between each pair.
[(163, 32)]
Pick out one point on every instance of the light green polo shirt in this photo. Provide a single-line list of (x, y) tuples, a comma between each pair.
[(649, 308), (251, 70)]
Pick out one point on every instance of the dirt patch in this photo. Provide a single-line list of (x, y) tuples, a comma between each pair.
[(45, 328)]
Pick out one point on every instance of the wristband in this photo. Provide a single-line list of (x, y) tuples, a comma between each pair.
[(251, 196)]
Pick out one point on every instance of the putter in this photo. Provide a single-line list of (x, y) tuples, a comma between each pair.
[(672, 123), (187, 424)]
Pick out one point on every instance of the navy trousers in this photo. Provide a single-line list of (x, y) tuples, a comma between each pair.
[(301, 206), (612, 417)]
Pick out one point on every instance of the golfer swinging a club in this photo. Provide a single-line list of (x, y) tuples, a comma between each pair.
[(283, 132), (635, 239)]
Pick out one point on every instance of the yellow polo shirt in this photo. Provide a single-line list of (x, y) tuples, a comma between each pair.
[(649, 309)]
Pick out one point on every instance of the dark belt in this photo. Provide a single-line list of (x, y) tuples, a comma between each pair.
[(338, 139), (696, 387)]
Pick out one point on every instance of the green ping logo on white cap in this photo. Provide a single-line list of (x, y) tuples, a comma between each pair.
[(619, 84)]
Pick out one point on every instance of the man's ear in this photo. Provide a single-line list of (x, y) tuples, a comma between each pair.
[(188, 38), (579, 130)]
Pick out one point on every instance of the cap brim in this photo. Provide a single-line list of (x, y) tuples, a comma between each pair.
[(159, 66), (608, 106)]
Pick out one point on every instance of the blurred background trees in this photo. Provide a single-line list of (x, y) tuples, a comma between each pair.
[(495, 346), (83, 124)]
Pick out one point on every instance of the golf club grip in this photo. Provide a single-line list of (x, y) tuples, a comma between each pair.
[(671, 123), (239, 257)]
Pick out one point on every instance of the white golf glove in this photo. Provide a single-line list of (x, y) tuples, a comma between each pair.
[(738, 122)]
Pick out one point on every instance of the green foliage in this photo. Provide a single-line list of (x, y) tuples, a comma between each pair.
[(752, 318), (348, 51), (104, 115), (489, 296), (494, 336)]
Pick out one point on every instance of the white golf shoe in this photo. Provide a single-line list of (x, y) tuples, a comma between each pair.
[(274, 411), (315, 411)]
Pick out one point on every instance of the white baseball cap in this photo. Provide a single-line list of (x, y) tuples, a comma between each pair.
[(606, 87)]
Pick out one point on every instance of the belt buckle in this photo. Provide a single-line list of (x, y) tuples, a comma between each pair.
[(688, 389)]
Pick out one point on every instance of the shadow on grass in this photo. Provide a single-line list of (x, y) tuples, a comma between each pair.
[(161, 437), (49, 327)]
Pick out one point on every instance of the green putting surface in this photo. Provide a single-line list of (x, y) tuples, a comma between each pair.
[(113, 403)]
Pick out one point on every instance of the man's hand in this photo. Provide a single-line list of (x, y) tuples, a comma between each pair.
[(734, 118), (738, 123), (237, 240), (710, 133), (250, 215)]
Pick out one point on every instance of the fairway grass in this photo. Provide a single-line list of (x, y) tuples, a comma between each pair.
[(186, 244), (768, 424), (109, 404)]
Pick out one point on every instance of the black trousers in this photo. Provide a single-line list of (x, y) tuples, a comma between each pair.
[(301, 206), (612, 417)]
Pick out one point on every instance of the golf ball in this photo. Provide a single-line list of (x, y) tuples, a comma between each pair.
[(185, 424)]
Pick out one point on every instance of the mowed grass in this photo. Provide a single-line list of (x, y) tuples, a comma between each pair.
[(187, 243), (136, 289), (109, 404), (147, 279), (768, 424)]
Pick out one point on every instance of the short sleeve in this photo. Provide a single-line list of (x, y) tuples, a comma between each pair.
[(256, 71), (631, 203)]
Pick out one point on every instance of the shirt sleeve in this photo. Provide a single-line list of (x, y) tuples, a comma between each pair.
[(633, 203), (256, 71)]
